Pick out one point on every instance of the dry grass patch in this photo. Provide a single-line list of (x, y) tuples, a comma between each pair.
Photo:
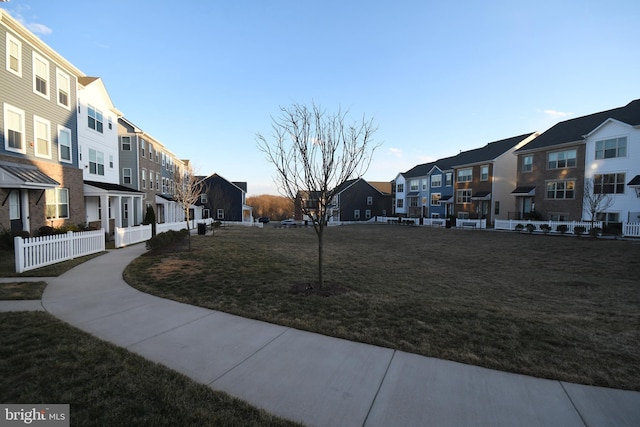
[(557, 307)]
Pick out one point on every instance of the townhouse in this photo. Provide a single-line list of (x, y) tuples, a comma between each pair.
[(224, 200), (603, 147), (107, 203), (360, 200), (68, 156), (485, 177), (41, 183)]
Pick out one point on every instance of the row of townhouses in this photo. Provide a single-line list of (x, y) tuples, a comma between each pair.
[(68, 156), (541, 176), (535, 176)]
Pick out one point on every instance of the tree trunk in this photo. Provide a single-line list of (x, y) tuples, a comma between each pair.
[(320, 258)]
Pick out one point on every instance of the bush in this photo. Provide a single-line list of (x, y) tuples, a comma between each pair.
[(579, 229), (168, 238), (562, 228), (531, 228), (546, 228), (519, 227), (596, 231), (7, 236)]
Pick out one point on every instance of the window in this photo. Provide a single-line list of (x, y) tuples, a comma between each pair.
[(40, 75), (57, 203), (527, 163), (463, 196), (203, 198), (436, 180), (110, 124), (142, 147), (110, 161), (561, 189), (448, 177), (558, 216), (150, 152), (126, 143), (435, 199), (14, 129), (95, 119), (369, 200), (413, 185), (150, 180), (465, 175), (157, 183), (367, 214), (126, 175), (220, 214), (610, 183), (562, 159), (400, 188), (611, 148), (14, 205), (96, 162), (496, 208), (424, 184), (356, 214), (484, 173), (14, 55), (42, 135), (64, 89), (400, 203), (64, 144), (144, 179), (608, 217), (164, 159)]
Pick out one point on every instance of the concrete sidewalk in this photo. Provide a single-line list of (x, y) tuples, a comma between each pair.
[(314, 379)]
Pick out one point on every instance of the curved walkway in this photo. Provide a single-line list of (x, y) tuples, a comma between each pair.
[(314, 379)]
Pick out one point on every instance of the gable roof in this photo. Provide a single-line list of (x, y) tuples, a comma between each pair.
[(574, 130), (489, 152), (242, 186)]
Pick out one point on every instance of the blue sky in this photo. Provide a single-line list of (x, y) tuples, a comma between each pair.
[(203, 76)]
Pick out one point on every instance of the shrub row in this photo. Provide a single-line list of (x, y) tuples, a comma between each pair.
[(562, 229), (162, 240)]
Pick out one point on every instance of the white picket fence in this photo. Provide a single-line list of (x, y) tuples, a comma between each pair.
[(510, 224), (142, 233), (36, 252), (631, 229)]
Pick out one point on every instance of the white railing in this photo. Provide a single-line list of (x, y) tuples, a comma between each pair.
[(36, 252), (511, 224), (130, 235), (631, 229), (471, 223)]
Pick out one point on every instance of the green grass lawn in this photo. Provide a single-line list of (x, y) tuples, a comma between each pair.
[(557, 307), (44, 360)]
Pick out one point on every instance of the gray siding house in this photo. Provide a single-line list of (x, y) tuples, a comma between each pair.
[(40, 180)]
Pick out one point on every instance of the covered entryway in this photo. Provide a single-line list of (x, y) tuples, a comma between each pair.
[(23, 185)]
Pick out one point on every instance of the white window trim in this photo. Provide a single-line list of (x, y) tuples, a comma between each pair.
[(470, 175), (62, 129), (124, 176), (47, 123), (11, 38), (65, 76), (487, 178), (48, 77), (438, 182), (20, 112)]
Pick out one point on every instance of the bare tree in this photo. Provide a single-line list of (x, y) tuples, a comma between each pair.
[(314, 153), (187, 191), (595, 199)]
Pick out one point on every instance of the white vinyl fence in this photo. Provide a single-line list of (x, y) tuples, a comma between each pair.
[(36, 252), (131, 235), (631, 229), (511, 224)]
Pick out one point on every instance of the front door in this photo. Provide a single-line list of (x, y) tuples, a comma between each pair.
[(15, 211)]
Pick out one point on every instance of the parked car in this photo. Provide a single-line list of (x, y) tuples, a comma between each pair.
[(288, 223), (263, 219)]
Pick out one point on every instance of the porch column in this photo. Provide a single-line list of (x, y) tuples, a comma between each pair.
[(118, 211), (104, 208), (24, 206)]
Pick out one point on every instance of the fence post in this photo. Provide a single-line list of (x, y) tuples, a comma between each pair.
[(71, 244), (19, 253)]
